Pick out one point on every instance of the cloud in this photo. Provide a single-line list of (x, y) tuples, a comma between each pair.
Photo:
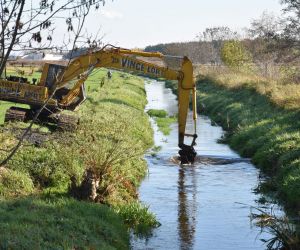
[(112, 14)]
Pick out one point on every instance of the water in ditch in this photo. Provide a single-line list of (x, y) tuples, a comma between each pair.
[(204, 206)]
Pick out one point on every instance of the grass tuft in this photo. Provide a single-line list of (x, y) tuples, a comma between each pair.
[(13, 183), (162, 119), (157, 113), (138, 217), (165, 123), (284, 233)]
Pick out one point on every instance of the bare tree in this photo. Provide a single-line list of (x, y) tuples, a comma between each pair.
[(30, 24), (221, 33), (266, 26), (261, 42), (280, 36), (75, 27), (290, 37), (292, 9)]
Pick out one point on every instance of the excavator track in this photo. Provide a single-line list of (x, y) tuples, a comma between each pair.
[(67, 122), (63, 122), (16, 114)]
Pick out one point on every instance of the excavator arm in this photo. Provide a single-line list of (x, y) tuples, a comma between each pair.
[(116, 59), (126, 60)]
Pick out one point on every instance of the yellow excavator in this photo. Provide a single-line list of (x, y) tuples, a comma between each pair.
[(61, 87)]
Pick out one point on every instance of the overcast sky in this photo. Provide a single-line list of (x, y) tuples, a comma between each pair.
[(138, 23)]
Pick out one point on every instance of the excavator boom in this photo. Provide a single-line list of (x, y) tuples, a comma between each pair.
[(55, 81)]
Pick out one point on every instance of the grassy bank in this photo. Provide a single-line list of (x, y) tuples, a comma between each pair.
[(259, 129), (59, 223), (39, 182)]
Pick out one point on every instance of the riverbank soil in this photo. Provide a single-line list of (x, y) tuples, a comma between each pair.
[(41, 205)]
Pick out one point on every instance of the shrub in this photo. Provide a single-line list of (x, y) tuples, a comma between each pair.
[(14, 183), (234, 54)]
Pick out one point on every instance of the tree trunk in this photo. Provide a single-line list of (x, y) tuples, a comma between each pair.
[(13, 40), (88, 188)]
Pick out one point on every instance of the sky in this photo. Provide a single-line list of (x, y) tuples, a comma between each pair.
[(138, 23)]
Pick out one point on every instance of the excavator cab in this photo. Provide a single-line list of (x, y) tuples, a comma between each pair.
[(51, 74)]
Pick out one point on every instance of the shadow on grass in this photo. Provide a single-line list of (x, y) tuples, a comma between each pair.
[(116, 101), (110, 100), (137, 89)]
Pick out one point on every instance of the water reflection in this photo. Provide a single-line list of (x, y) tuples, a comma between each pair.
[(198, 207), (187, 206)]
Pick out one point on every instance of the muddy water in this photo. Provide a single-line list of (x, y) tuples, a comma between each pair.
[(205, 206)]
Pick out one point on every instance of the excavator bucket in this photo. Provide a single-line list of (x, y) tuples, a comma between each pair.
[(187, 154)]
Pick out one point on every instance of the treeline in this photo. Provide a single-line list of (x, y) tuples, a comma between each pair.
[(197, 51), (270, 47), (210, 52)]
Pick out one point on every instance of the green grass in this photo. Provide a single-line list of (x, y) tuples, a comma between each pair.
[(138, 217), (60, 223), (162, 119), (157, 113), (112, 137), (165, 123), (14, 183)]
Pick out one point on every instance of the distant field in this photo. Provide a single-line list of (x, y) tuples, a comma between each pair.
[(28, 72)]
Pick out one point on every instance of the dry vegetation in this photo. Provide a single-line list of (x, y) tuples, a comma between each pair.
[(281, 91)]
